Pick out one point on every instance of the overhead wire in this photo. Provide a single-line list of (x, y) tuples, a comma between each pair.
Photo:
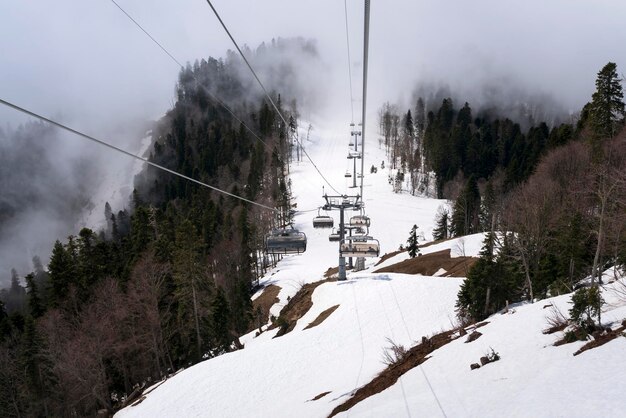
[(220, 102), (345, 8), (382, 304), (269, 97), (130, 154), (366, 37), (406, 328)]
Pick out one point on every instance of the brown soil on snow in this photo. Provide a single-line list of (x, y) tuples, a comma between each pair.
[(320, 396), (429, 264), (388, 256), (296, 308), (321, 317), (601, 339), (388, 377), (261, 306)]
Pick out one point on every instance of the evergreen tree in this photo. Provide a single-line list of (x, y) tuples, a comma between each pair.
[(491, 283), (220, 315), (420, 116), (466, 215), (35, 304), (61, 270), (441, 230), (408, 124), (607, 105), (190, 280), (36, 367), (412, 245)]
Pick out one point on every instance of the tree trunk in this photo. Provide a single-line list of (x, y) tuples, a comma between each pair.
[(596, 259), (529, 282), (195, 316)]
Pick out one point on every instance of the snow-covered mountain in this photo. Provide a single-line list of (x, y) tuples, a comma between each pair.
[(309, 372)]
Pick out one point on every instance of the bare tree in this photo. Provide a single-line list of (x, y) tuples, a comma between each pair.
[(531, 214)]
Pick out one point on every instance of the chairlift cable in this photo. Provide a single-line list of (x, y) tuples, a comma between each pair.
[(366, 36), (130, 154), (345, 7), (406, 328), (220, 102), (267, 94)]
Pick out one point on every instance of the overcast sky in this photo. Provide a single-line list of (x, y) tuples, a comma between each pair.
[(85, 63)]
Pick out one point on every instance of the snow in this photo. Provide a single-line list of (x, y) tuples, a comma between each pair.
[(278, 377), (533, 378)]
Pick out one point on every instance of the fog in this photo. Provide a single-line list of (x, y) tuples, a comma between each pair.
[(87, 65)]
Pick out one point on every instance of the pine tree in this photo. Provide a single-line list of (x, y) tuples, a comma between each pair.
[(412, 245), (607, 105), (441, 230), (190, 279), (62, 271), (466, 215), (35, 304), (220, 315)]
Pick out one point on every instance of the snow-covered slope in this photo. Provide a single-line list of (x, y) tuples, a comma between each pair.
[(280, 377)]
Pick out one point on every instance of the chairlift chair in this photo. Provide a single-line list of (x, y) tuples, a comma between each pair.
[(362, 247), (360, 220), (334, 236), (285, 241), (348, 174), (322, 221)]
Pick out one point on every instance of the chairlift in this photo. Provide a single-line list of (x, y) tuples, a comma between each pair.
[(354, 154), (356, 246), (323, 221), (334, 236), (360, 220), (348, 174), (285, 241)]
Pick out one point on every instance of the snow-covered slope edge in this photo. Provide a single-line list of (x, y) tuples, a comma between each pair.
[(280, 377)]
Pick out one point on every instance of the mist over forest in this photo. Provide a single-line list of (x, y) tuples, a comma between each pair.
[(52, 182)]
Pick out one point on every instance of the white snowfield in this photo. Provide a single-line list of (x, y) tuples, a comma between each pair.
[(280, 377)]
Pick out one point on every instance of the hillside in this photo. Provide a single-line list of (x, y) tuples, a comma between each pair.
[(281, 377)]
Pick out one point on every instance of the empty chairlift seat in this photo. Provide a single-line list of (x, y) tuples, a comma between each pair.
[(323, 222), (285, 241), (354, 154), (369, 247), (334, 236)]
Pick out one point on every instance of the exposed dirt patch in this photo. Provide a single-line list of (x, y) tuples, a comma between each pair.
[(261, 306), (601, 339), (413, 358), (555, 328), (473, 336), (388, 256), (320, 396), (429, 264), (322, 316), (297, 307), (332, 271)]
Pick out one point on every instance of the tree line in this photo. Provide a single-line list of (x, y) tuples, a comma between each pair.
[(552, 206), (551, 199), (168, 282)]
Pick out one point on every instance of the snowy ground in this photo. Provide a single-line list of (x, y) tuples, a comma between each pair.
[(279, 377)]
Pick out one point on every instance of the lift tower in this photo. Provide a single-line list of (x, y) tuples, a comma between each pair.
[(341, 203)]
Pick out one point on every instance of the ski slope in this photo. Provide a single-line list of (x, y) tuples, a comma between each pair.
[(279, 377)]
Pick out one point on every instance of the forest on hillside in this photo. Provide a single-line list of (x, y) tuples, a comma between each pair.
[(552, 199), (168, 282)]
